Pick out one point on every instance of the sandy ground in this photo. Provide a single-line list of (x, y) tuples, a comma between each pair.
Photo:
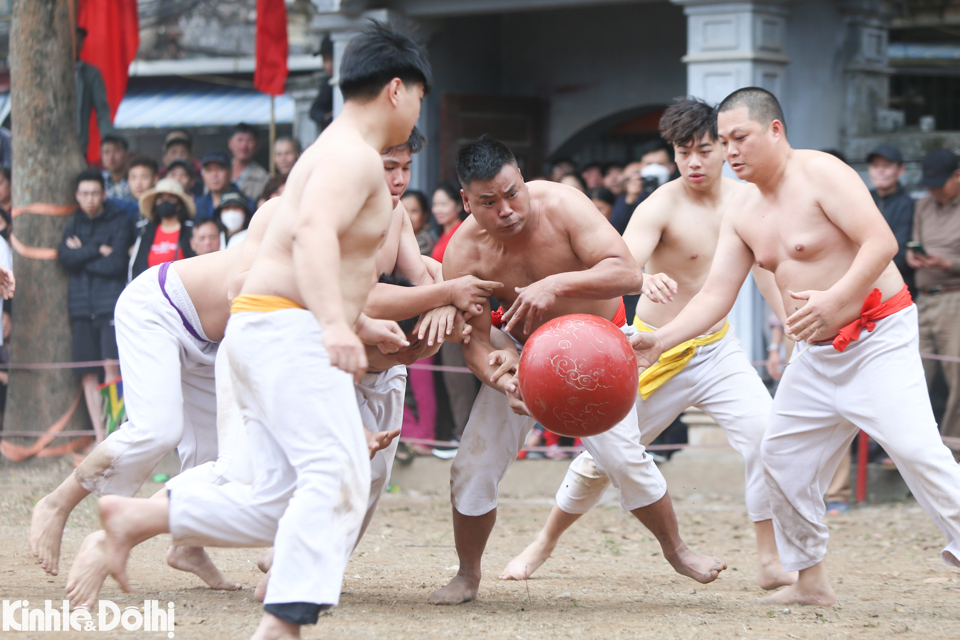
[(606, 580)]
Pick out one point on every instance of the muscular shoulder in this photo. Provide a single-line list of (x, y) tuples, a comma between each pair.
[(565, 203), (818, 166), (740, 199), (342, 157)]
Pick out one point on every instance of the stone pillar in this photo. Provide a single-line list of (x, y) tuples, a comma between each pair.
[(866, 75), (734, 44)]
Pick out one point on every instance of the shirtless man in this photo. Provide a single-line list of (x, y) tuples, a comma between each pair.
[(809, 219), (296, 338), (674, 234), (170, 320), (556, 255)]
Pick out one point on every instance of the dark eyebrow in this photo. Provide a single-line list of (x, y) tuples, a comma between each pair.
[(705, 144)]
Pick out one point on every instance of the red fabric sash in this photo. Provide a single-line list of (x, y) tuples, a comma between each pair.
[(619, 318), (872, 311)]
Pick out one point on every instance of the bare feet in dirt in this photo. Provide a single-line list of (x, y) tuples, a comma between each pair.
[(46, 531), (460, 589), (261, 591), (772, 576), (703, 569), (523, 566), (120, 524), (196, 561), (273, 628), (265, 561), (88, 572), (795, 595)]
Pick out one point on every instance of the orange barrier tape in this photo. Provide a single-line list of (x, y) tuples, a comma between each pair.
[(17, 453), (36, 253), (44, 209)]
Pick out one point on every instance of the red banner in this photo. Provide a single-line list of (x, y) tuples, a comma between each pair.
[(270, 75), (113, 36)]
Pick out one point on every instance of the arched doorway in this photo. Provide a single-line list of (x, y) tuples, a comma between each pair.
[(613, 138)]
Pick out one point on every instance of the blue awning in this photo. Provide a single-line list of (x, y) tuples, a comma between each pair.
[(157, 108)]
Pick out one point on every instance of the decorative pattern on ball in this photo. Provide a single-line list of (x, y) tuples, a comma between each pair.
[(578, 375)]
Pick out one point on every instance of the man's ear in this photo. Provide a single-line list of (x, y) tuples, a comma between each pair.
[(393, 91), (466, 203)]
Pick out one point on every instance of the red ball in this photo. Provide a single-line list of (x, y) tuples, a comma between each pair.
[(578, 375)]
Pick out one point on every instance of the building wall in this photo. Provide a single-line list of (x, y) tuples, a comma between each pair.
[(813, 100), (593, 62)]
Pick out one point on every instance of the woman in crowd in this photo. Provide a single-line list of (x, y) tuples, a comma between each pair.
[(286, 150), (418, 208), (233, 214), (574, 180), (462, 388), (273, 188), (169, 212)]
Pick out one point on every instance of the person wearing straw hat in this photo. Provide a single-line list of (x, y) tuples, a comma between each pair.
[(169, 213)]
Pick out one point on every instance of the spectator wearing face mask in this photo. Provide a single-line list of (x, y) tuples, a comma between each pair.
[(169, 212), (233, 214)]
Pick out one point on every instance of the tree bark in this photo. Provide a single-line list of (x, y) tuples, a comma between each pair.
[(46, 160)]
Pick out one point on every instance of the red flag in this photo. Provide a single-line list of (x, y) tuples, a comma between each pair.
[(270, 75), (113, 36)]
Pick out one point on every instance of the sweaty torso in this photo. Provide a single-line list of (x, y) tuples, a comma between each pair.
[(686, 248), (791, 236), (205, 279), (546, 251), (273, 272)]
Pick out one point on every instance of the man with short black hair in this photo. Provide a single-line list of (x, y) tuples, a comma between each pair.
[(113, 157), (94, 250), (245, 172), (91, 96), (206, 237), (555, 255), (141, 177), (592, 175), (936, 227), (216, 182), (885, 170)]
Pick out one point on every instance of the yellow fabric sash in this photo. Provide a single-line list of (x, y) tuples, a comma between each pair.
[(261, 304), (672, 361)]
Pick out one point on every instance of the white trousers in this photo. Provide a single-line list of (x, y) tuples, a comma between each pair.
[(380, 398), (168, 389), (311, 469), (718, 380), (494, 436), (234, 462), (877, 383)]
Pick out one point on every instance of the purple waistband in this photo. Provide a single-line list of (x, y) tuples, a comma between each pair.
[(163, 287)]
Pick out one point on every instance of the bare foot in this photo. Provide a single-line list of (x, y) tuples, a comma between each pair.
[(460, 589), (88, 572), (265, 561), (261, 591), (523, 566), (701, 568), (196, 561), (273, 628), (46, 531), (794, 595), (127, 522), (772, 576)]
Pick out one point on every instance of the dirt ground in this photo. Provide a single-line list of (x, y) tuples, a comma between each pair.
[(606, 580)]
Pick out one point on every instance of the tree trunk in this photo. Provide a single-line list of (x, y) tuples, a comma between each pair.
[(46, 160)]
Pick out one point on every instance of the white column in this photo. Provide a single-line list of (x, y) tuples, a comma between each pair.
[(732, 45)]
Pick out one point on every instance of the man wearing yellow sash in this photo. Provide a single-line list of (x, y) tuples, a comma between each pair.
[(675, 232)]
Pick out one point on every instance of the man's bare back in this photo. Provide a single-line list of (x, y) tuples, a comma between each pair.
[(349, 172)]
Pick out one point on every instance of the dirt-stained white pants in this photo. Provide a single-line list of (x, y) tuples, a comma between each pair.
[(718, 380), (380, 398), (168, 388), (877, 384), (494, 436), (311, 468)]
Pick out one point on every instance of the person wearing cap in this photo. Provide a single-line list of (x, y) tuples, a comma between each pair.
[(178, 147), (215, 171), (91, 96), (936, 224), (885, 170), (166, 238), (245, 172), (233, 214)]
